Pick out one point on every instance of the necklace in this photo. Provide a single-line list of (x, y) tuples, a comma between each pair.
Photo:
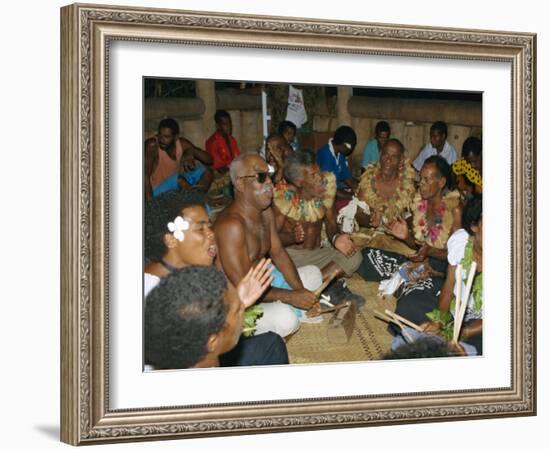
[(397, 203), (293, 205), (171, 268), (435, 229)]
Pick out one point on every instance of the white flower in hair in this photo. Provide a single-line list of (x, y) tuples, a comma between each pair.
[(177, 227), (270, 169)]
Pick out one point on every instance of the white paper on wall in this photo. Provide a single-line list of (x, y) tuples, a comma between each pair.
[(296, 110)]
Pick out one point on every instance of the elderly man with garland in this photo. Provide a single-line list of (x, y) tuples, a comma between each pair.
[(387, 187), (304, 202), (436, 212)]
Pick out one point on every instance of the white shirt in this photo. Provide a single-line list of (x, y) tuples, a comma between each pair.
[(150, 281), (448, 153), (456, 245)]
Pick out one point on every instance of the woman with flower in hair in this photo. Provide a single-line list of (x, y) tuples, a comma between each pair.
[(178, 234)]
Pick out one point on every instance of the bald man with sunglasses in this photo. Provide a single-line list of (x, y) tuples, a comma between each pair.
[(245, 233)]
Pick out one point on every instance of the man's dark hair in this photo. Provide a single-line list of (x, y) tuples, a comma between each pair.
[(169, 123), (382, 127), (295, 163), (472, 145), (397, 142), (426, 347), (271, 137), (181, 312), (284, 125), (439, 126), (221, 113), (345, 134), (160, 211), (472, 213), (443, 168)]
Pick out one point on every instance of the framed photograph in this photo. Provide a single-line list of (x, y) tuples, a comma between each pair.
[(108, 55)]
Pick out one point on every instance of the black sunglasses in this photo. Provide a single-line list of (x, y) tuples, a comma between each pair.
[(261, 177)]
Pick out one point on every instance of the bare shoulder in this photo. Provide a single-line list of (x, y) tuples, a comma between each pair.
[(457, 218), (185, 143), (151, 145), (229, 222), (457, 211)]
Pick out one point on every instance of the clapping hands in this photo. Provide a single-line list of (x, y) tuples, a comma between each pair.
[(256, 281)]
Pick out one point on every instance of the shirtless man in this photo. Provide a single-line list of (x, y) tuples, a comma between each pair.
[(167, 155), (245, 233)]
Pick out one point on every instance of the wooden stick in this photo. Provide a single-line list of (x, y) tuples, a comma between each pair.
[(458, 300), (324, 285), (466, 297), (387, 318), (335, 308), (404, 320), (404, 333)]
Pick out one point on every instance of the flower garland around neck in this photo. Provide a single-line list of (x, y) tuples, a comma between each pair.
[(177, 227), (399, 202), (473, 311), (291, 204), (477, 286), (436, 231)]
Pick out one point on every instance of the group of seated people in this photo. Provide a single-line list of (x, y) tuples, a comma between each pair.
[(279, 239)]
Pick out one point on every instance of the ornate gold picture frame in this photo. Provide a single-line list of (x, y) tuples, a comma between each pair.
[(87, 33)]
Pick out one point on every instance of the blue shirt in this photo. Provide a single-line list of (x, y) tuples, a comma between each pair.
[(337, 165), (371, 153), (171, 183)]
